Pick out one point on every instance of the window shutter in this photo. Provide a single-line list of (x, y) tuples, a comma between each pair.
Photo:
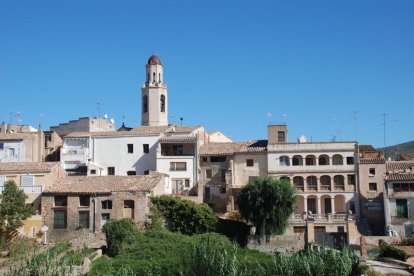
[(27, 180)]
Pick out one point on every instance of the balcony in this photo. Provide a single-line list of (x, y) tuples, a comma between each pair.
[(35, 189), (323, 218)]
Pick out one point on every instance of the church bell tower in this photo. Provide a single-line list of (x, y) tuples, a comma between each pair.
[(154, 95)]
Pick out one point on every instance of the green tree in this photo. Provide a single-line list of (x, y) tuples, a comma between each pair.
[(186, 216), (267, 203), (13, 207), (118, 233)]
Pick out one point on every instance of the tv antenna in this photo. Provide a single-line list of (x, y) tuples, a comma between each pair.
[(284, 118), (41, 116), (337, 129), (385, 140), (355, 116), (19, 118), (269, 117)]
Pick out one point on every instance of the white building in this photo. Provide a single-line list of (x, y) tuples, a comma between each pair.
[(399, 197)]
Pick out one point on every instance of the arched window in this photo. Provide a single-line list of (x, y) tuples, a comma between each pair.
[(159, 77), (339, 182), (323, 160), (298, 182), (162, 102), (311, 183), (297, 160), (145, 104), (154, 77), (284, 160), (325, 183), (310, 160), (337, 159), (148, 77)]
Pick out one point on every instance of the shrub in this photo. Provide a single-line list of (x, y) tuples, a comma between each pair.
[(186, 216), (118, 233), (408, 241), (387, 250), (101, 267)]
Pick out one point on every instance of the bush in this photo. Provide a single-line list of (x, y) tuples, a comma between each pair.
[(102, 267), (387, 250), (118, 233), (186, 216), (408, 241)]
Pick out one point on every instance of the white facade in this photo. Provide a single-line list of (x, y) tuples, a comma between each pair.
[(12, 151)]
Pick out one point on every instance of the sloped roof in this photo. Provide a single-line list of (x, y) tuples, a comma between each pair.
[(372, 160), (366, 148), (407, 156), (104, 184), (399, 165), (400, 177), (233, 147), (27, 166)]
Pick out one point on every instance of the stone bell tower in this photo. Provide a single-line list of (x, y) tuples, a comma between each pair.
[(154, 95)]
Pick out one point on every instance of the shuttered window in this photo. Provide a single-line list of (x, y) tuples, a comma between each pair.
[(27, 180)]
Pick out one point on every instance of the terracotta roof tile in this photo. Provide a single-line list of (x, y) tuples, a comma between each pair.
[(372, 161), (399, 166), (27, 166), (104, 184), (233, 147), (400, 177)]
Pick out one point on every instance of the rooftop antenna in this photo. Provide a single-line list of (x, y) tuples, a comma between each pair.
[(337, 130), (383, 124), (397, 154), (19, 118), (98, 106), (284, 118), (181, 121), (269, 117), (354, 115), (123, 120), (41, 116)]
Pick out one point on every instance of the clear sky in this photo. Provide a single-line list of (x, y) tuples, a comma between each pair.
[(228, 64)]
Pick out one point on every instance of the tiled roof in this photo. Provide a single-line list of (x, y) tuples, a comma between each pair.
[(104, 184), (178, 139), (27, 166), (372, 160), (400, 177), (366, 148), (407, 156), (16, 136), (139, 130), (400, 166), (233, 147)]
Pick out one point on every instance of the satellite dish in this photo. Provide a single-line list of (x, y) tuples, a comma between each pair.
[(106, 116), (112, 121), (44, 229)]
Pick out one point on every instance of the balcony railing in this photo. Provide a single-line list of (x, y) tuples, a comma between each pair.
[(300, 218), (35, 189)]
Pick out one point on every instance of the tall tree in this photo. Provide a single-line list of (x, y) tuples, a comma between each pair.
[(13, 207), (267, 203)]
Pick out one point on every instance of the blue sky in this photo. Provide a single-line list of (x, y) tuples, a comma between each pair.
[(227, 64)]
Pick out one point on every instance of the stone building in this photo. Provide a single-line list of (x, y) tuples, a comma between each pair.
[(371, 170), (84, 124), (87, 203), (399, 197), (228, 167), (32, 178)]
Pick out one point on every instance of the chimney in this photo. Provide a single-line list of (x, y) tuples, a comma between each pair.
[(3, 127)]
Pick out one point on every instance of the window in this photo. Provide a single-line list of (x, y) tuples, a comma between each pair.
[(145, 104), (204, 159), (83, 219), (341, 229), (11, 152), (1, 146), (280, 136), (351, 179), (350, 160), (187, 183), (154, 78), (146, 172), (129, 204), (131, 173), (249, 162), (178, 150), (130, 148), (27, 180), (145, 148), (216, 159), (310, 160), (284, 160), (59, 219), (61, 201), (84, 201), (93, 171), (106, 204), (372, 186), (209, 174), (402, 208), (371, 171), (223, 176), (111, 170), (162, 103), (105, 219), (178, 166)]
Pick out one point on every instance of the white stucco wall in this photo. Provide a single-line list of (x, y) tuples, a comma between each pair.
[(19, 151)]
